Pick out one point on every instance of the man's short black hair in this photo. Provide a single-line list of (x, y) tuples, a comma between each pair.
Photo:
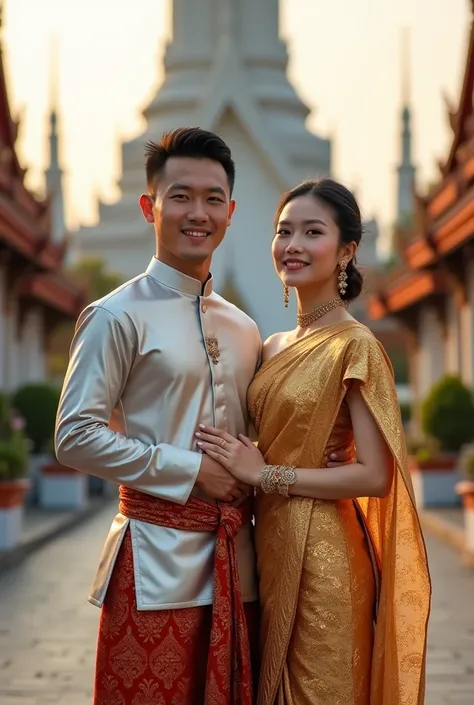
[(187, 142)]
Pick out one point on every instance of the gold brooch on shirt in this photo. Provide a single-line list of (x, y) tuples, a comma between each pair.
[(213, 348)]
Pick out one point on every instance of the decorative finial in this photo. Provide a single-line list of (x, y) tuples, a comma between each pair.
[(54, 72), (405, 65), (227, 20)]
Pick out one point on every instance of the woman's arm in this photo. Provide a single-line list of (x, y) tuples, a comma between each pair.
[(370, 476)]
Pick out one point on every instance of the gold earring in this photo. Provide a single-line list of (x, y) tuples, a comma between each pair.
[(286, 295), (342, 278)]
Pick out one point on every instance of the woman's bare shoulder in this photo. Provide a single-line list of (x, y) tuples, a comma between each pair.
[(273, 345)]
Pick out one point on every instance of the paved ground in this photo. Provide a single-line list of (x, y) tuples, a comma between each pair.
[(48, 630), (450, 671)]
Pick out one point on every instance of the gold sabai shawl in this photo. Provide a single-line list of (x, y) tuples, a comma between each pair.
[(294, 428)]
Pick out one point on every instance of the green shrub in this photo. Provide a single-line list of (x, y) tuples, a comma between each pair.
[(4, 415), (38, 404), (13, 457), (400, 364), (405, 411), (13, 444), (423, 449), (448, 413)]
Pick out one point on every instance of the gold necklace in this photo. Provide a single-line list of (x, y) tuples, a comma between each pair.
[(305, 319)]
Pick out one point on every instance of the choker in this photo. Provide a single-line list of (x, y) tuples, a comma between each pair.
[(305, 319)]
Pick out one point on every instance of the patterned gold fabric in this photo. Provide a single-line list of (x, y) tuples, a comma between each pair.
[(318, 582)]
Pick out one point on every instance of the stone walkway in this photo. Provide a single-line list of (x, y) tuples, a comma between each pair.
[(450, 671), (48, 630)]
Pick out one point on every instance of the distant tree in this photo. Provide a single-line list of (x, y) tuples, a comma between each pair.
[(97, 281), (231, 293), (93, 276), (448, 413), (390, 263), (400, 364)]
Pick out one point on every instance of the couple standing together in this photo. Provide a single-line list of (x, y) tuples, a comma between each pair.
[(326, 602)]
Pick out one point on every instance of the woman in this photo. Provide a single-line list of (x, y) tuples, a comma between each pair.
[(344, 584)]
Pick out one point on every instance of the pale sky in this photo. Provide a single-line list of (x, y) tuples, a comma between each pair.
[(344, 62)]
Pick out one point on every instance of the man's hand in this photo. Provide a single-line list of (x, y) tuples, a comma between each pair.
[(217, 482), (346, 456)]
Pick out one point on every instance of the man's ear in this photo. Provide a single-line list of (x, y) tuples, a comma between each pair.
[(231, 212), (146, 204)]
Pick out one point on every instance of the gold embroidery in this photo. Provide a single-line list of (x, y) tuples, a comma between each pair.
[(148, 694), (213, 348), (160, 657), (214, 695), (150, 624), (101, 658), (188, 622), (317, 586), (168, 660), (125, 575), (117, 615), (184, 692), (111, 694), (128, 659)]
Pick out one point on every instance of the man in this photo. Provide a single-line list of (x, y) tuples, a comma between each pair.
[(149, 362)]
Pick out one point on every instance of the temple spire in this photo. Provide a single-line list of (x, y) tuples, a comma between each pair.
[(406, 169), (54, 73), (54, 172), (405, 62), (227, 19), (199, 26)]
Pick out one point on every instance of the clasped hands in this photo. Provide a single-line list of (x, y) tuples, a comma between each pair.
[(231, 467)]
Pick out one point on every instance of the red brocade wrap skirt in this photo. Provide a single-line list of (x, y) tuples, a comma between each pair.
[(197, 655)]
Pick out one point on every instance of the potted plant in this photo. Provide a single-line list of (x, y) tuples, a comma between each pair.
[(433, 474), (465, 489), (56, 486), (37, 403), (13, 481), (448, 424), (61, 487), (448, 414)]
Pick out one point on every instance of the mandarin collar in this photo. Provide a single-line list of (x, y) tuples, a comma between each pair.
[(175, 279)]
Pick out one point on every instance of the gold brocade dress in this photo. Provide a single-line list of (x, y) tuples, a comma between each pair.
[(344, 585)]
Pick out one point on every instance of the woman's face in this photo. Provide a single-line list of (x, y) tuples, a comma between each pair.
[(306, 249)]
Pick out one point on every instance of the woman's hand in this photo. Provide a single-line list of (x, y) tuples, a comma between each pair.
[(239, 456)]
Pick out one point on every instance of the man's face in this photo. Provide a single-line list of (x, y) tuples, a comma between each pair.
[(191, 210)]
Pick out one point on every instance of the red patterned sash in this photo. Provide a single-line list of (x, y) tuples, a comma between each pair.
[(229, 675)]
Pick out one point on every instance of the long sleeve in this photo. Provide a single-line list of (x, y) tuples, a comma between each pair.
[(102, 357)]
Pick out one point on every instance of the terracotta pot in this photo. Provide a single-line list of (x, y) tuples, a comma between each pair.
[(434, 481), (439, 463), (12, 493), (12, 501), (62, 487), (55, 468), (466, 490)]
